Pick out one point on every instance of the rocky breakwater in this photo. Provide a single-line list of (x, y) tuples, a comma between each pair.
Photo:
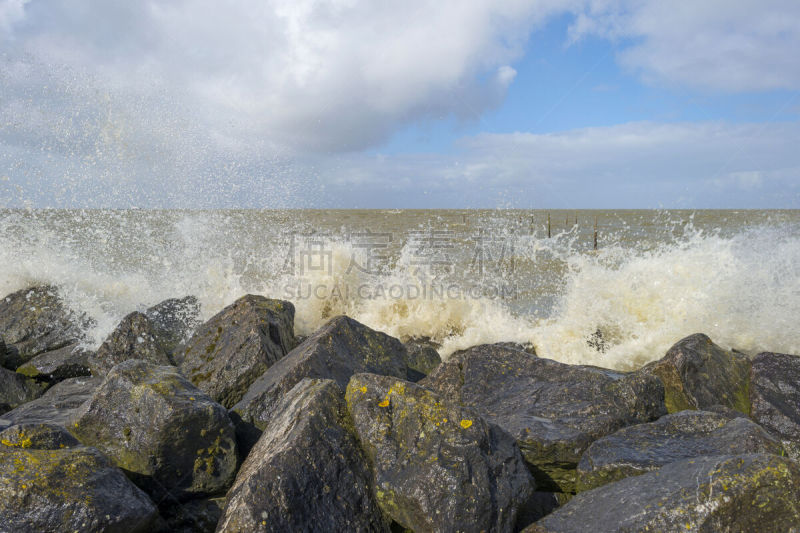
[(232, 425)]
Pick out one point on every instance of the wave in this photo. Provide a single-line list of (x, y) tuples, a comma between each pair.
[(619, 307)]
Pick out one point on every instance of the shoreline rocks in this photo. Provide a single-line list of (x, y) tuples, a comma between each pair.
[(437, 466), (306, 472), (171, 439), (637, 449), (336, 351), (230, 351), (553, 410), (775, 397)]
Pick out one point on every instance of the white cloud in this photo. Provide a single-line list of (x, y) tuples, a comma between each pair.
[(723, 45), (308, 74)]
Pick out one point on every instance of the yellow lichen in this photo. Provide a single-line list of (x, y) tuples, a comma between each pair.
[(384, 403), (363, 390), (466, 423)]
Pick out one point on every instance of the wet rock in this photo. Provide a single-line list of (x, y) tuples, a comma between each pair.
[(194, 516), (437, 466), (237, 345), (422, 358), (169, 437), (307, 471), (697, 374), (68, 362), (16, 389), (68, 489), (56, 405), (36, 320), (134, 338), (775, 397), (755, 492), (553, 410), (174, 320), (339, 349), (37, 437), (638, 449)]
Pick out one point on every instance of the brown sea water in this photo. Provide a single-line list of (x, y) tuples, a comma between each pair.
[(461, 277)]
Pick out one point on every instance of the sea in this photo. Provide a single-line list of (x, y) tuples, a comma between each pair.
[(612, 288)]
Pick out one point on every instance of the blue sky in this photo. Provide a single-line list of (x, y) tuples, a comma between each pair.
[(351, 103)]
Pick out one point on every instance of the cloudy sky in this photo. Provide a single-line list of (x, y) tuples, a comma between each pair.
[(359, 103)]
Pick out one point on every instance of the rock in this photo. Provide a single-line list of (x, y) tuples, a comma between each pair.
[(56, 405), (237, 345), (437, 466), (307, 471), (36, 320), (68, 362), (422, 358), (3, 351), (638, 449), (526, 347), (775, 397), (698, 374), (16, 389), (553, 410), (754, 492), (134, 338), (37, 437), (170, 438), (68, 489), (174, 321), (339, 349), (194, 516)]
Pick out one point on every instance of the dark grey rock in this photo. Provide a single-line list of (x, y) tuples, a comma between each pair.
[(36, 320), (3, 351), (739, 493), (16, 389), (697, 374), (68, 489), (237, 345), (339, 349), (134, 338), (174, 321), (437, 466), (307, 471), (422, 358), (553, 410), (775, 397), (68, 362), (638, 449), (37, 437), (169, 437), (56, 405)]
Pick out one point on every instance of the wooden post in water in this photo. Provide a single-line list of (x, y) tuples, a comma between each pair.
[(595, 232), (548, 225)]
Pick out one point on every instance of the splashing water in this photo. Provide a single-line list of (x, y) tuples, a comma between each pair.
[(493, 276)]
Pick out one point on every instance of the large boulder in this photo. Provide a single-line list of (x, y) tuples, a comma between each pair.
[(237, 345), (775, 397), (437, 466), (698, 374), (339, 349), (638, 449), (169, 436), (307, 471), (174, 320), (67, 362), (753, 492), (16, 389), (48, 482), (55, 406), (134, 338), (36, 320), (553, 410)]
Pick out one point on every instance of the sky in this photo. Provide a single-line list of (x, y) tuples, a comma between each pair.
[(400, 104)]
